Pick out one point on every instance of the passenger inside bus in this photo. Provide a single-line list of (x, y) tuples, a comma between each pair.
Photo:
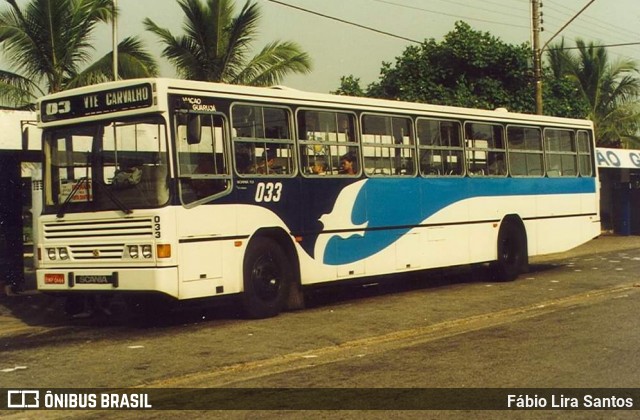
[(497, 166), (205, 164), (348, 164), (319, 168), (265, 164), (129, 174)]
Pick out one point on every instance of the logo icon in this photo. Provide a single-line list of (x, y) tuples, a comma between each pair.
[(23, 399)]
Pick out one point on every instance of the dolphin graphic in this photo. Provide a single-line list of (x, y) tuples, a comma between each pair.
[(340, 221)]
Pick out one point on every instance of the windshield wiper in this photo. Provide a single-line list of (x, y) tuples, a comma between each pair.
[(73, 192), (103, 187), (113, 198)]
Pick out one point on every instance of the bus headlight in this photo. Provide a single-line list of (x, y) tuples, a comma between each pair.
[(133, 251), (63, 253), (146, 251), (51, 253)]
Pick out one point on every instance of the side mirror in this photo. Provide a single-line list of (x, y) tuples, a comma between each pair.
[(194, 129)]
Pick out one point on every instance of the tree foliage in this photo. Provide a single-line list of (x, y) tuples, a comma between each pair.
[(467, 68), (609, 89), (216, 44), (48, 42), (350, 86)]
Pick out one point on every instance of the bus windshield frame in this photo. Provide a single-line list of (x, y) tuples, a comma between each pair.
[(111, 164)]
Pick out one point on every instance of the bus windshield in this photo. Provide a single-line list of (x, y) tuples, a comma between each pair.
[(106, 165)]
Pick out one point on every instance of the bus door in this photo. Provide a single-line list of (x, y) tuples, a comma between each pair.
[(203, 176)]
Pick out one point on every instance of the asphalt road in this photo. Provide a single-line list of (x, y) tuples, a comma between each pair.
[(568, 323)]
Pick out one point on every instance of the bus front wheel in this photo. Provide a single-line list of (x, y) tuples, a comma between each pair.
[(512, 251), (266, 279)]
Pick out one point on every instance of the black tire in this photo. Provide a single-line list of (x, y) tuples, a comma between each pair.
[(512, 251), (267, 278)]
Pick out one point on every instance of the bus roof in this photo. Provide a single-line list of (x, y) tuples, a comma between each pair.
[(284, 95)]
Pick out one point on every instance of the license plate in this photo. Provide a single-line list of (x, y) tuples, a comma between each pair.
[(53, 278), (94, 279)]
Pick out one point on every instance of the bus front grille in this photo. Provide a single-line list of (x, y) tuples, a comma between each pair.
[(97, 252), (99, 230)]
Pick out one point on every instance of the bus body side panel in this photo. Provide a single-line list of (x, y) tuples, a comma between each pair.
[(206, 251), (355, 228), (380, 226)]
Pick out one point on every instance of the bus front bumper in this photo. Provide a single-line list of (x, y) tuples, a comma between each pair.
[(158, 280)]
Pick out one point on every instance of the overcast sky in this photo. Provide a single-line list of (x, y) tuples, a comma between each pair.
[(339, 49)]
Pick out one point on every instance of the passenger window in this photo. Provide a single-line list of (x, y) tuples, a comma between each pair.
[(262, 141), (485, 151), (440, 148), (328, 143), (203, 167), (525, 151), (584, 154), (388, 145), (561, 153)]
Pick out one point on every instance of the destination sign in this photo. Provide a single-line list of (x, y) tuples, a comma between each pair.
[(97, 103)]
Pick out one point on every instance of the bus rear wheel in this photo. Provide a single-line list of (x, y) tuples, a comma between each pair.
[(512, 251), (266, 279)]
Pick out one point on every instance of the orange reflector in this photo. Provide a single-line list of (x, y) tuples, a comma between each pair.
[(298, 239), (237, 244), (163, 250)]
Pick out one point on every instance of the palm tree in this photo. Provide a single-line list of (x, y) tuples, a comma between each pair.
[(216, 46), (611, 90), (47, 43), (558, 59)]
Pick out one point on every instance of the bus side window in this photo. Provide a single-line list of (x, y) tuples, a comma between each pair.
[(440, 146), (388, 145), (560, 148), (525, 151), (485, 151), (263, 144), (203, 166), (584, 154), (325, 138)]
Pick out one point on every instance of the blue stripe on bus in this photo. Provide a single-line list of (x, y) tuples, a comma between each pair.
[(408, 202)]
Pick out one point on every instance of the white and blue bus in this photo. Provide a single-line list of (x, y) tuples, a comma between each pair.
[(191, 190)]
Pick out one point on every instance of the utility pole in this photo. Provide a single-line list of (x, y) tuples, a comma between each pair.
[(536, 17), (114, 39), (537, 52)]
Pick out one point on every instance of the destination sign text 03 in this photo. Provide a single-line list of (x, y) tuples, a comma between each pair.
[(97, 103)]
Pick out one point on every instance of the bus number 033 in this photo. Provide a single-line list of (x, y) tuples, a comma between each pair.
[(157, 230), (269, 192)]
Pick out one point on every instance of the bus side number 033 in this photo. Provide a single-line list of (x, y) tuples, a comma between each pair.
[(269, 192), (157, 230)]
